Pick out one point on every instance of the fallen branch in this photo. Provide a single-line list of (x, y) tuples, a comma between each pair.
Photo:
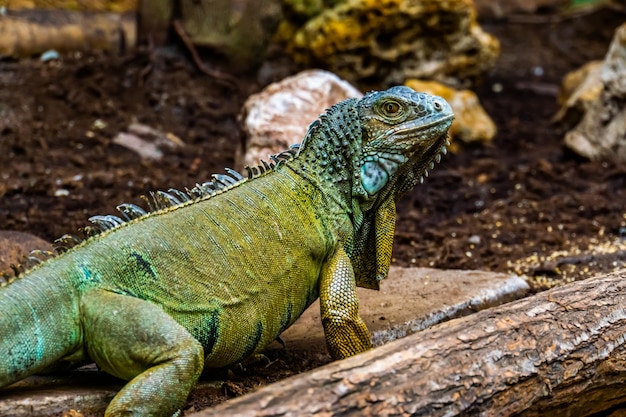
[(559, 353), (552, 266), (26, 33)]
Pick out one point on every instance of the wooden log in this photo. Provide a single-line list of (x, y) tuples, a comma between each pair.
[(559, 353), (116, 6), (25, 33)]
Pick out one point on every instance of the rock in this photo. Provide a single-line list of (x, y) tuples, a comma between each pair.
[(412, 299), (279, 116), (579, 90), (304, 8), (146, 141), (14, 246), (594, 102), (239, 30), (387, 42), (502, 8), (471, 121), (39, 396)]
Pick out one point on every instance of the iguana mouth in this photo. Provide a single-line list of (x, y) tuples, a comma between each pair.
[(419, 125), (431, 156), (439, 147), (414, 138)]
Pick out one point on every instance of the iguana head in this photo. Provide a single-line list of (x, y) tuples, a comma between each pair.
[(403, 133)]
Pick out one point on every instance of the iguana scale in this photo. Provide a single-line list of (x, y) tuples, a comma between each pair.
[(215, 274)]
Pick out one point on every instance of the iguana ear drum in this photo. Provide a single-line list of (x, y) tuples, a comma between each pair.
[(373, 177), (375, 174), (378, 169)]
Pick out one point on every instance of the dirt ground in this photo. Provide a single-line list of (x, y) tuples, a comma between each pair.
[(522, 203)]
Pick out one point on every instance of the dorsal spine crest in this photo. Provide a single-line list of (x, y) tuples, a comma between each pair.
[(158, 202)]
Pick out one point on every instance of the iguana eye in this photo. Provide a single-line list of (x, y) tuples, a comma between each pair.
[(391, 108)]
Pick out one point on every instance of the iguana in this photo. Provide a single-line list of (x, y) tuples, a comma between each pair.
[(213, 275)]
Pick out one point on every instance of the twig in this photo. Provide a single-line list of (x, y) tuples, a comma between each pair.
[(544, 89), (147, 69), (553, 265)]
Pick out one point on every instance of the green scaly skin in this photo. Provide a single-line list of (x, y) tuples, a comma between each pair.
[(208, 282)]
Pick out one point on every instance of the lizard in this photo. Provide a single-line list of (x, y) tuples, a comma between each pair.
[(212, 275)]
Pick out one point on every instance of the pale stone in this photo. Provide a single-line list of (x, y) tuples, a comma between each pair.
[(146, 141), (88, 392), (579, 90), (279, 116), (412, 299), (387, 42), (471, 121), (14, 246), (593, 99)]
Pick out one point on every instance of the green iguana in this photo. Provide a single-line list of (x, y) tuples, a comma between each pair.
[(213, 275)]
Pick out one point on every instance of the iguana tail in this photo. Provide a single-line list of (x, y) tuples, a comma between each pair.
[(39, 325)]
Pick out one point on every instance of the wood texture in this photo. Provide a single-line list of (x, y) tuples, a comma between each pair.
[(155, 17), (26, 33), (116, 6), (558, 353)]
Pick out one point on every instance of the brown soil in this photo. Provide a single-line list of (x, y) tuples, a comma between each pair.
[(511, 205)]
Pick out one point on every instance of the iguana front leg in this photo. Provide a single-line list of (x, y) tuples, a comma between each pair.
[(346, 333), (136, 340)]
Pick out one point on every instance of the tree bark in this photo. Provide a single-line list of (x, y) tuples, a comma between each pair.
[(30, 32), (155, 18), (558, 353), (115, 6)]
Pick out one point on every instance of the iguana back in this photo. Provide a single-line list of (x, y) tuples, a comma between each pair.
[(235, 269)]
